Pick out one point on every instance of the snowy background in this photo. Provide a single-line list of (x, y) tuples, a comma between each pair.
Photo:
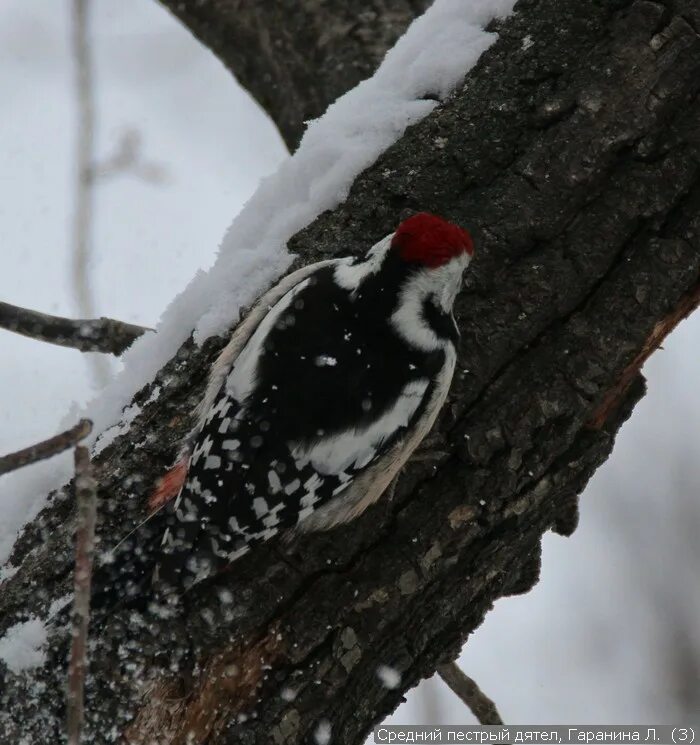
[(612, 632)]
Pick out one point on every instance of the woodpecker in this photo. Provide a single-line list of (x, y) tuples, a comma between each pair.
[(318, 400)]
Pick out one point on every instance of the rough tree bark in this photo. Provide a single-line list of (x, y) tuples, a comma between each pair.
[(296, 56), (572, 153)]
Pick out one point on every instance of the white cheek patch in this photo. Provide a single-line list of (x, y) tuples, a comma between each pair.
[(453, 281), (442, 283)]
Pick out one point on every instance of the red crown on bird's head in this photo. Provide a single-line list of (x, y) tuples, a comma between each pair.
[(430, 240)]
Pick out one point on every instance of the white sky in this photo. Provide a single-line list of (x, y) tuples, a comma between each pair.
[(587, 645)]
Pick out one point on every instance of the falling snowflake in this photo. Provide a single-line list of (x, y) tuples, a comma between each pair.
[(389, 676), (322, 735)]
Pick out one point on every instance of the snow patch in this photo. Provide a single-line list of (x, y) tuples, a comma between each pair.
[(109, 435), (59, 604), (7, 571), (21, 648)]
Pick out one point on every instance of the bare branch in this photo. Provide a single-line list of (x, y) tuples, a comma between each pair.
[(45, 449), (88, 335), (467, 689), (82, 226), (86, 495), (84, 183)]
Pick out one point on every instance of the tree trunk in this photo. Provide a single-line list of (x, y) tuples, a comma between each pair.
[(571, 153), (297, 56)]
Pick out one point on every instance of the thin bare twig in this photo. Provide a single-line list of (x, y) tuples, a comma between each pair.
[(467, 689), (88, 335), (47, 448), (84, 191), (128, 158), (86, 496), (85, 144)]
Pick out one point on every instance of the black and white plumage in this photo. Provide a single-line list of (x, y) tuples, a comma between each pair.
[(320, 397)]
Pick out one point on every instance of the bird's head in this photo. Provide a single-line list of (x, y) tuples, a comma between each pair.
[(423, 260), (416, 271), (435, 252), (432, 242)]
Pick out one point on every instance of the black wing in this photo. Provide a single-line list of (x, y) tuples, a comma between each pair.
[(299, 417)]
